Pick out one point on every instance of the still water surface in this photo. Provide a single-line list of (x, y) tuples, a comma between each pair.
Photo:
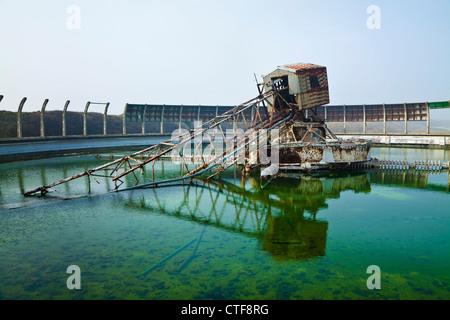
[(296, 238)]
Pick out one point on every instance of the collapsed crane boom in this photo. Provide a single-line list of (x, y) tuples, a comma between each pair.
[(261, 122)]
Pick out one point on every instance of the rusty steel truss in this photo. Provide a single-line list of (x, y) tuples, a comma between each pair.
[(207, 165)]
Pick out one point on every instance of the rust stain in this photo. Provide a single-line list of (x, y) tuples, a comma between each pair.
[(299, 67), (344, 152)]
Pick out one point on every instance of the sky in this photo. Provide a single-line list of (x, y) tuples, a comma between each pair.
[(206, 52)]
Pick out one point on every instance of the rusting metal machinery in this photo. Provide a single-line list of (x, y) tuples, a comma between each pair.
[(308, 144), (305, 143), (253, 113)]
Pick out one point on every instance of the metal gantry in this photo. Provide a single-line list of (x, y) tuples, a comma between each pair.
[(206, 164)]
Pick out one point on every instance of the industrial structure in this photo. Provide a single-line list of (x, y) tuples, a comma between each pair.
[(275, 115), (283, 130), (307, 143)]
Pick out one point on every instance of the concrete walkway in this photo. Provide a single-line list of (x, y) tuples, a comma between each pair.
[(11, 150), (34, 148), (400, 140)]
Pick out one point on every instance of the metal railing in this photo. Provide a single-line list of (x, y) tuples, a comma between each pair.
[(345, 114)]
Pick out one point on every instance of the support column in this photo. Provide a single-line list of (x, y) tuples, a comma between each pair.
[(162, 119), (384, 119), (104, 119), (364, 118), (124, 120), (19, 118), (143, 120), (345, 119), (42, 123), (85, 118), (64, 118), (428, 117), (179, 122), (406, 118)]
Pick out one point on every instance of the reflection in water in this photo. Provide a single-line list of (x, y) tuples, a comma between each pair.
[(283, 216), (314, 235), (407, 179), (20, 178)]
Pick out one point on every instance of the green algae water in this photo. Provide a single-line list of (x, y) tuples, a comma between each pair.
[(299, 237)]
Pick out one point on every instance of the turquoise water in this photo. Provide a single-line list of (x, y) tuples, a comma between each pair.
[(297, 238)]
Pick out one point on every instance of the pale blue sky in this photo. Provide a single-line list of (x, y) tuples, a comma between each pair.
[(205, 52)]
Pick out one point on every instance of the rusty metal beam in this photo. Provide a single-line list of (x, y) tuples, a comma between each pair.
[(154, 153)]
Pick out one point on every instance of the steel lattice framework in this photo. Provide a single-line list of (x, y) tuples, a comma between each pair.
[(261, 122)]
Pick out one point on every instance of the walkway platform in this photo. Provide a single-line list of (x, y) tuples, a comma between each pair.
[(35, 148), (438, 141)]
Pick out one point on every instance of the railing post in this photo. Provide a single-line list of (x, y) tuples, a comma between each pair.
[(364, 118), (143, 120), (64, 118), (19, 118), (85, 118), (104, 119), (42, 123), (162, 119), (406, 118), (124, 122), (345, 120), (179, 123)]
